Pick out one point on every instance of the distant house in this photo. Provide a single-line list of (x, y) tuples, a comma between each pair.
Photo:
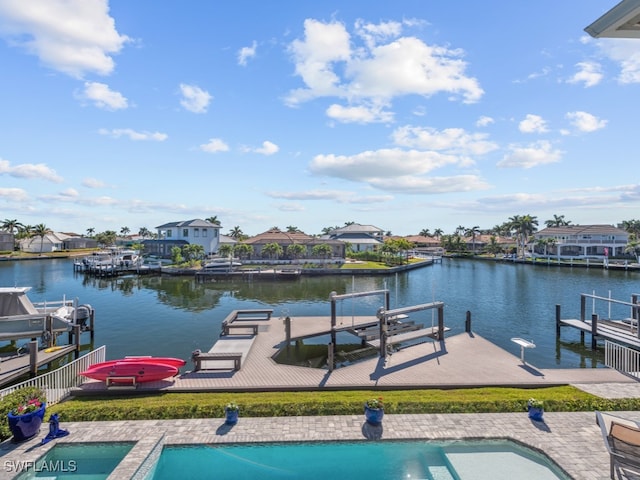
[(50, 242), (362, 238), (597, 241), (284, 239), (7, 242), (191, 232)]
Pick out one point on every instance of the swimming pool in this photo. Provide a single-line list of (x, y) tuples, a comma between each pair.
[(456, 460), (93, 461)]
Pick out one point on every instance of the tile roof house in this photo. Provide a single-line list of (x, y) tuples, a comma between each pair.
[(362, 238), (284, 239), (596, 241)]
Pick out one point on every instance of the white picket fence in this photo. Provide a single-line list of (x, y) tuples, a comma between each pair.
[(58, 384), (622, 359)]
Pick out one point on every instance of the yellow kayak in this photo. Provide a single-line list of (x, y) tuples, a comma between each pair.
[(53, 349)]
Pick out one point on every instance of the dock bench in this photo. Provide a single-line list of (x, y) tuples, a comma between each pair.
[(217, 356), (227, 327)]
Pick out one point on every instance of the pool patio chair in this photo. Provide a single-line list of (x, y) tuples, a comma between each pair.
[(622, 440)]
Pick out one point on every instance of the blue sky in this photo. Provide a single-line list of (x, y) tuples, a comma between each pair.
[(405, 115)]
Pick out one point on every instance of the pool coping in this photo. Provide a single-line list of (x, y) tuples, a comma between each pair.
[(571, 440)]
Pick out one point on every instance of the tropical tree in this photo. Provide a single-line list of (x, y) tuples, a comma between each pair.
[(473, 231), (272, 250), (557, 221), (192, 253), (632, 226), (523, 226), (460, 229), (41, 230), (106, 238), (225, 250), (236, 232), (144, 232), (213, 220), (90, 231), (424, 232), (323, 250), (438, 233), (546, 243), (243, 250), (11, 226), (633, 247), (296, 250), (124, 231), (493, 247), (176, 255)]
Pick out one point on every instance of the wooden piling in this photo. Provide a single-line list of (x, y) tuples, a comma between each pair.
[(594, 331), (558, 324), (33, 358), (467, 322)]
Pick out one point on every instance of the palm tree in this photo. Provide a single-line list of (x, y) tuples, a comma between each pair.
[(124, 231), (144, 232), (11, 226), (631, 226), (473, 231), (438, 233), (292, 229), (557, 221), (235, 232), (213, 220), (523, 226), (425, 232), (41, 230), (90, 231), (272, 250)]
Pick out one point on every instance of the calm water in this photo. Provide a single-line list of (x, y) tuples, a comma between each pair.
[(486, 460), (172, 316)]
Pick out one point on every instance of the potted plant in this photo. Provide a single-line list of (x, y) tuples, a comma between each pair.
[(374, 411), (231, 411), (26, 409), (535, 408)]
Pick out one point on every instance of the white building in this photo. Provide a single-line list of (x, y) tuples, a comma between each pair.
[(581, 241), (194, 232)]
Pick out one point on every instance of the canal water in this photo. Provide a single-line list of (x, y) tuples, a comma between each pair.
[(172, 316)]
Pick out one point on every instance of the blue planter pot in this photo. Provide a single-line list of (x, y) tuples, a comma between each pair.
[(535, 413), (373, 415), (231, 416), (25, 426)]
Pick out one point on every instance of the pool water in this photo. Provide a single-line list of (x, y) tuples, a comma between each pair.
[(468, 460), (86, 461)]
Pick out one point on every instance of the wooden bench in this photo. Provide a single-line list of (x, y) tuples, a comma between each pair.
[(217, 356), (227, 327)]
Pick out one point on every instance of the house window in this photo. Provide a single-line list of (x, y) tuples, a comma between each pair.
[(168, 233), (204, 232), (185, 232), (215, 233), (196, 232)]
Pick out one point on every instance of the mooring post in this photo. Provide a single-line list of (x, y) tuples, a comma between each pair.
[(92, 314), (467, 322), (76, 334), (330, 359), (332, 297), (440, 323), (583, 308), (594, 331), (49, 331), (558, 321), (33, 358)]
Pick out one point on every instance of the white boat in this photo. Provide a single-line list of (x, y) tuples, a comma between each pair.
[(110, 259), (222, 264), (20, 318)]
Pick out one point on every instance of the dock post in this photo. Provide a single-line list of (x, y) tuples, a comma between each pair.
[(558, 321), (33, 358), (92, 318), (330, 359), (49, 331), (594, 331), (76, 334), (583, 307), (440, 323), (467, 322), (386, 300), (332, 296)]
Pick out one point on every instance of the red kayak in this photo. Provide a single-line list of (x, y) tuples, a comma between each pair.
[(175, 362), (139, 370)]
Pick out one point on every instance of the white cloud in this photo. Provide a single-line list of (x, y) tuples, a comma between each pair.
[(194, 98), (93, 183), (625, 52), (484, 121), (533, 155), (412, 185), (533, 124), (339, 196), (71, 36), (268, 148), (585, 122), (375, 73), (359, 114), (588, 73), (70, 193), (246, 53), (29, 170), (102, 96), (133, 134), (14, 194), (214, 145), (451, 140)]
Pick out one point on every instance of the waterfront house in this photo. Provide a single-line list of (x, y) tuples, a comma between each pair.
[(362, 238), (7, 242), (284, 239), (187, 232), (50, 242), (580, 241)]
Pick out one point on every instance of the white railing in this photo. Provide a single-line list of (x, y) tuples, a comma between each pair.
[(58, 383), (622, 359)]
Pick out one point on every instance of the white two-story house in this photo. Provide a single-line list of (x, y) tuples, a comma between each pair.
[(595, 241), (194, 232)]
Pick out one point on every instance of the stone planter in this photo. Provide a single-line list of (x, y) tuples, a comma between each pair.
[(26, 426), (373, 416)]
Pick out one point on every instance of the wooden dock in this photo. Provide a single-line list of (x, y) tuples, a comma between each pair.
[(18, 366)]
